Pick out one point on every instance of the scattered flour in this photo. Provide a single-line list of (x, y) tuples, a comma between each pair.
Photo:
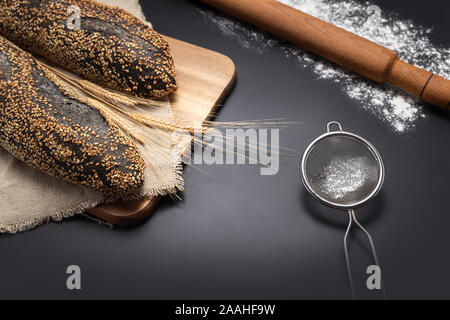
[(398, 109)]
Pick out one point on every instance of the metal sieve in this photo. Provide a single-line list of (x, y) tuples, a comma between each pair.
[(343, 171)]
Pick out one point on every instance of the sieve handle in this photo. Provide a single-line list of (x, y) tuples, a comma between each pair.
[(330, 124), (354, 220)]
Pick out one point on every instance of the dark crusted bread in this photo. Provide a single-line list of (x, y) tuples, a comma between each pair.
[(111, 47), (58, 134)]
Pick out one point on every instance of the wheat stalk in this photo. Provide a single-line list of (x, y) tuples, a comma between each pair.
[(117, 120), (166, 125), (110, 103), (105, 111)]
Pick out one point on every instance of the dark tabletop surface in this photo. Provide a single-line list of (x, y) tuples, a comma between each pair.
[(239, 235)]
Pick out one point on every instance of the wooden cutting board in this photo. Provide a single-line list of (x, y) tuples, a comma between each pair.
[(205, 78)]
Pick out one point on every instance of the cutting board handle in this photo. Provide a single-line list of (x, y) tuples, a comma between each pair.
[(339, 46)]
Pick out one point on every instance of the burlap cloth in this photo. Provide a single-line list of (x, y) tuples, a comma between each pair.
[(29, 198)]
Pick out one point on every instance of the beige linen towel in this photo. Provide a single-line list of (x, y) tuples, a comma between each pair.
[(29, 198)]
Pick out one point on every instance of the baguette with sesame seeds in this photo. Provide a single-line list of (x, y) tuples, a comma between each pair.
[(110, 46), (56, 133)]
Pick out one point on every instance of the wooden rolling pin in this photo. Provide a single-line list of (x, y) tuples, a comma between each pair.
[(342, 47)]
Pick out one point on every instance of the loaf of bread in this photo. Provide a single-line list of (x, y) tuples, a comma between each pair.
[(108, 45), (59, 134)]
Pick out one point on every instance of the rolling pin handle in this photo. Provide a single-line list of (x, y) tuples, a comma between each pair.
[(430, 87), (437, 92)]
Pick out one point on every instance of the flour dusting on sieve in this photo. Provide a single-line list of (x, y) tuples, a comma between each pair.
[(393, 106), (343, 176)]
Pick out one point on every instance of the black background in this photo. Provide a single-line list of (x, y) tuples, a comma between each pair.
[(239, 235)]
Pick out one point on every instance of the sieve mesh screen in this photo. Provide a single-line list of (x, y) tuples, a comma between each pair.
[(342, 170)]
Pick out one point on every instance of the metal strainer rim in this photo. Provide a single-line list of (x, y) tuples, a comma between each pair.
[(358, 138)]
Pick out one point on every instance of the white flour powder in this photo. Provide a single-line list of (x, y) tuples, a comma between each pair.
[(343, 176), (393, 106)]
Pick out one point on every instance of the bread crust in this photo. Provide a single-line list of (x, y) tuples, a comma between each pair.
[(45, 127), (112, 47)]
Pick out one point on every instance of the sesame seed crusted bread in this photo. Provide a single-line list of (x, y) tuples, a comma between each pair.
[(58, 134), (111, 47)]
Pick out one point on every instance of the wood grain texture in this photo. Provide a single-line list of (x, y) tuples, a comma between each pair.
[(409, 77), (337, 45), (204, 78)]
